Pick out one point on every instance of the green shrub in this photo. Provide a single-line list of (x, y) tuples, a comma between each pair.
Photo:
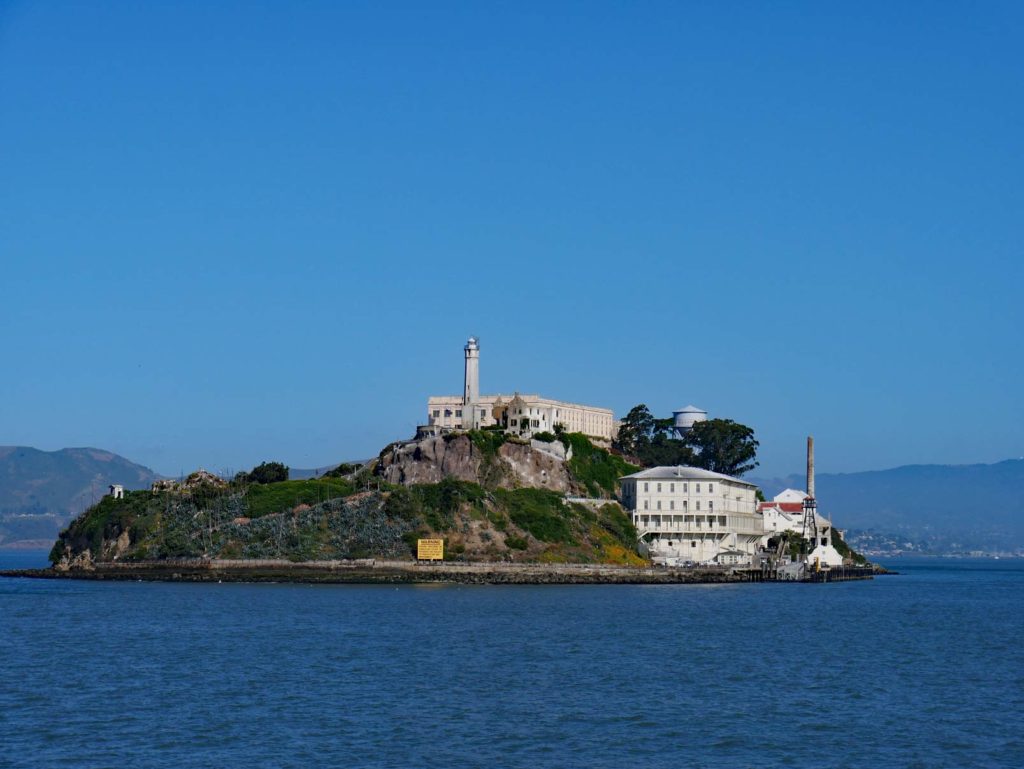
[(498, 519), (345, 468), (487, 441), (454, 552), (545, 437), (538, 511), (266, 472), (440, 502), (265, 499), (402, 503), (616, 522), (844, 549), (516, 543), (597, 469)]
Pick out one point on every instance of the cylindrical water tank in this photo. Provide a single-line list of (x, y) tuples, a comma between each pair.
[(687, 417)]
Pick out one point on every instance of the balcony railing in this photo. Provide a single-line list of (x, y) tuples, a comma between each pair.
[(700, 527)]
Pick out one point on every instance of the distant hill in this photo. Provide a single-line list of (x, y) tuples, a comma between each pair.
[(982, 504), (41, 490)]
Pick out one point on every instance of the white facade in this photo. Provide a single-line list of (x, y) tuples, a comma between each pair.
[(522, 414), (689, 514), (782, 514)]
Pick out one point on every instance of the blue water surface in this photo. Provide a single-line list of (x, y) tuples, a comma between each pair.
[(925, 669)]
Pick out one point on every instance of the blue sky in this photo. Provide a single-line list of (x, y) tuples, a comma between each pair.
[(233, 232)]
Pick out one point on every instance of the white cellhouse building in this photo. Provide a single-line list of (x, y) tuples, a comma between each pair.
[(689, 514), (523, 414)]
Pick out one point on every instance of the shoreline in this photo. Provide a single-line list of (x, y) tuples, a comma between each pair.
[(372, 571)]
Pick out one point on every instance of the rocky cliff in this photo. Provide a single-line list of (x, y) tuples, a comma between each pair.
[(489, 459)]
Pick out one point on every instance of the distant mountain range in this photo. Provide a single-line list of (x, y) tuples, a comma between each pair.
[(976, 505), (41, 490)]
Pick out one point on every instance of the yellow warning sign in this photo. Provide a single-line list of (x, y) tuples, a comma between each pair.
[(430, 549)]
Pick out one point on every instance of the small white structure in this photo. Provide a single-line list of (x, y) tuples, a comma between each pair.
[(786, 513), (520, 414), (117, 491), (686, 513)]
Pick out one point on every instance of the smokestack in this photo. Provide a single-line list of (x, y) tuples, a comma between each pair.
[(810, 466)]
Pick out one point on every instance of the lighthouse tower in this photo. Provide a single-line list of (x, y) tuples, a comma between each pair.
[(471, 392)]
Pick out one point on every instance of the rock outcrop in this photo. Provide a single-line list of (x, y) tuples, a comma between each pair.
[(509, 465)]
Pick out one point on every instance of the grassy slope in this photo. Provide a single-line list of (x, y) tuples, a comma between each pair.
[(526, 524), (597, 469)]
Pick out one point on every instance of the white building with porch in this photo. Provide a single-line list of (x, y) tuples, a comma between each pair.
[(688, 514)]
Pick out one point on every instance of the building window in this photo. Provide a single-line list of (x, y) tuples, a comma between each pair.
[(659, 504), (647, 505), (447, 412), (698, 504), (686, 488), (697, 488), (672, 488), (659, 487), (684, 504), (711, 505), (671, 505), (437, 412), (711, 488), (513, 423), (458, 412), (693, 543), (646, 485)]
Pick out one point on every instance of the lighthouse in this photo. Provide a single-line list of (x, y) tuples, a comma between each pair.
[(471, 391)]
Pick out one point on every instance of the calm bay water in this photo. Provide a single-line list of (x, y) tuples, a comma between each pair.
[(925, 669)]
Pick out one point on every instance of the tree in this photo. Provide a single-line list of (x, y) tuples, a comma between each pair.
[(636, 430), (723, 446), (663, 450), (268, 472), (650, 440)]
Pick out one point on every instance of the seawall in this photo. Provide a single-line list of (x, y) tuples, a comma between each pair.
[(373, 571)]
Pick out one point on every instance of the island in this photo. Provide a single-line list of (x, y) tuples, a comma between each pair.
[(508, 509)]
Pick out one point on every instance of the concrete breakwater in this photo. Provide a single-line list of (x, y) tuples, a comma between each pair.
[(371, 571)]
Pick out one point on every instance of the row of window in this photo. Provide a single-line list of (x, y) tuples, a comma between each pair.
[(697, 519), (672, 488), (447, 412), (458, 413), (526, 422), (672, 505)]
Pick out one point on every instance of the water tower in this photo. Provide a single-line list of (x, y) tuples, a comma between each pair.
[(685, 418)]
